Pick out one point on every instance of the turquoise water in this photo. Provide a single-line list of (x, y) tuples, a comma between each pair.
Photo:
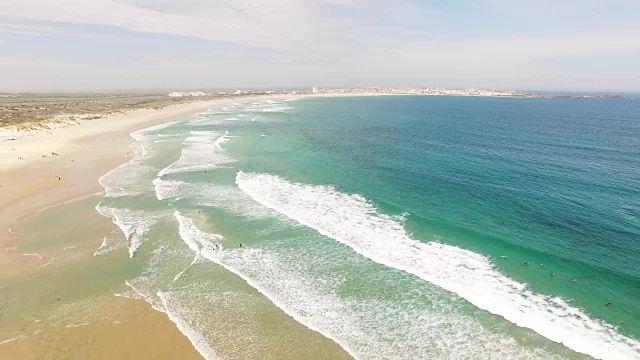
[(397, 226)]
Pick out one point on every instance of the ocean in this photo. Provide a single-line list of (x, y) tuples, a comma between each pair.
[(399, 227)]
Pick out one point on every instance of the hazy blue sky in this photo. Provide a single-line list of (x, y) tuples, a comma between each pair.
[(192, 44)]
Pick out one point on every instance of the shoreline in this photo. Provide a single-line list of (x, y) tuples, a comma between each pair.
[(87, 157), (55, 159), (39, 200), (33, 185), (51, 166)]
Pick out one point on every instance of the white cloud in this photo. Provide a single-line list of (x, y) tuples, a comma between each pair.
[(27, 29), (288, 25), (349, 42)]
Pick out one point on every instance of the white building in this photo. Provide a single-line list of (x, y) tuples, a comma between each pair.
[(314, 90), (188, 93)]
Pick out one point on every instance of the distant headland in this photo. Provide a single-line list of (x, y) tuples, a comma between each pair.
[(463, 92)]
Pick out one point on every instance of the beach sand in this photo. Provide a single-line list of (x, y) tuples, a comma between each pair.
[(30, 183), (51, 305)]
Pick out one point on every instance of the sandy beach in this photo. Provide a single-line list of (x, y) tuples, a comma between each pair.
[(316, 180), (49, 186), (62, 162), (48, 168), (52, 306)]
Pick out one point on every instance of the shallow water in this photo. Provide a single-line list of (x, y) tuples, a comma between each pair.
[(397, 227), (71, 301)]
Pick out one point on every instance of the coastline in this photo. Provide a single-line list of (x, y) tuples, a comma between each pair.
[(94, 152), (49, 166), (58, 163), (37, 188)]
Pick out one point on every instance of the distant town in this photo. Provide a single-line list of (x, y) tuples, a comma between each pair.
[(397, 91)]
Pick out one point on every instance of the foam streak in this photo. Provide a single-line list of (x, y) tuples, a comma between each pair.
[(133, 224), (199, 152), (353, 221)]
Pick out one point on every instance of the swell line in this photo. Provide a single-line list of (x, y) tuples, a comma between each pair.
[(354, 222)]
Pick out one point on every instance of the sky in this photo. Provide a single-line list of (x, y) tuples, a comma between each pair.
[(139, 45)]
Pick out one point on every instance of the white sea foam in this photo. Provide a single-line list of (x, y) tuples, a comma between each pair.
[(108, 245), (228, 198), (12, 339), (198, 341), (199, 153), (76, 325), (48, 262), (198, 241), (128, 178), (101, 250), (144, 133), (211, 117), (13, 232), (269, 106), (366, 328), (277, 108), (207, 245), (195, 260), (222, 139), (134, 224), (353, 221), (163, 304), (169, 189)]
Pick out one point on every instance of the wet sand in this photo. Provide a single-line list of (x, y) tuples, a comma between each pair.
[(66, 303), (57, 301), (137, 332), (47, 168), (41, 168)]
